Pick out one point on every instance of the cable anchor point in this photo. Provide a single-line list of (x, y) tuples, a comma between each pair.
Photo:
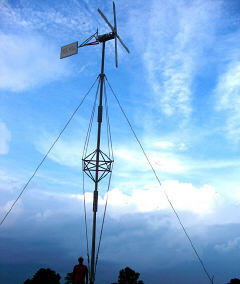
[(102, 76)]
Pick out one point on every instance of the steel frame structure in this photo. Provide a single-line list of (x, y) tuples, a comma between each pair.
[(97, 164)]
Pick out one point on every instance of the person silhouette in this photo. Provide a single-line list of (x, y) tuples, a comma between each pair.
[(80, 272)]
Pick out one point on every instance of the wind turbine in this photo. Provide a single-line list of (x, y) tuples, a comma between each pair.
[(72, 48), (97, 164)]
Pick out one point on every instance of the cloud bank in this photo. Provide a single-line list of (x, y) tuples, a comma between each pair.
[(5, 135), (28, 61)]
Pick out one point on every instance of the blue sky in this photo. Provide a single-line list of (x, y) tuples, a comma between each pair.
[(180, 87)]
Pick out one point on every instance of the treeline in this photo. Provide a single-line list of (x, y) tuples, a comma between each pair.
[(49, 276), (234, 281), (126, 276)]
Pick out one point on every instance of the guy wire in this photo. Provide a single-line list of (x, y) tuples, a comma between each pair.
[(166, 195), (43, 159)]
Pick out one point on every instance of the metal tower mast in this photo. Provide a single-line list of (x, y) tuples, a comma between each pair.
[(97, 164), (95, 194)]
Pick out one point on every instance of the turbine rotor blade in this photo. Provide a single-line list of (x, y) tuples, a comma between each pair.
[(115, 38), (122, 43), (114, 30), (106, 20), (116, 56), (115, 19)]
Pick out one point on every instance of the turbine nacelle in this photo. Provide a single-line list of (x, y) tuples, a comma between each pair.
[(105, 37)]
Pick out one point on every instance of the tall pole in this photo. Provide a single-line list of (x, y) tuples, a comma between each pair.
[(95, 193)]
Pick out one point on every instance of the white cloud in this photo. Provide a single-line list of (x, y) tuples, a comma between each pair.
[(5, 137), (128, 160), (164, 144), (165, 162), (128, 155), (72, 17), (216, 164), (228, 99), (27, 61), (184, 196), (8, 181), (14, 214), (229, 246), (43, 215), (7, 206), (131, 169), (176, 32), (65, 152), (169, 145)]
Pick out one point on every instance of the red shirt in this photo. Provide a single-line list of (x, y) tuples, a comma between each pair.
[(79, 273)]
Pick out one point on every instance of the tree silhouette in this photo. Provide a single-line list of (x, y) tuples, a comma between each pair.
[(28, 281), (46, 276), (234, 281), (69, 278), (129, 276)]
